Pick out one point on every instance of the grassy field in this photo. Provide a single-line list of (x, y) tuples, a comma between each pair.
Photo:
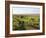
[(26, 22)]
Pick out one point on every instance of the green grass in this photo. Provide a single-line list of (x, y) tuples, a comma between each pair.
[(26, 22)]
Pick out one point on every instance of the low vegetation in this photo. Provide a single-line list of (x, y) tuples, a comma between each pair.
[(26, 22)]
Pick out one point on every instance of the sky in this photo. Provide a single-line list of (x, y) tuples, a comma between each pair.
[(26, 10)]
